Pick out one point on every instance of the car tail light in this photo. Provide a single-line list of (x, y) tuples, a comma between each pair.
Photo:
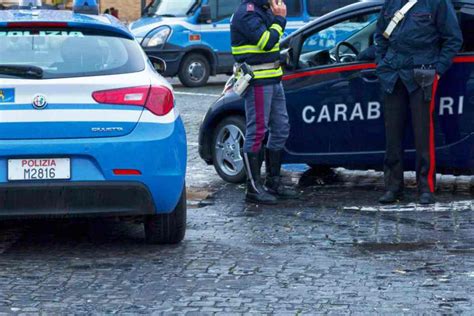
[(124, 96), (158, 100)]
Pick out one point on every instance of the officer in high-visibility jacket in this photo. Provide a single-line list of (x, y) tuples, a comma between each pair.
[(415, 44), (256, 29)]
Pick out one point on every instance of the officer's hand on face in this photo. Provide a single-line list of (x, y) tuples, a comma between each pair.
[(279, 10)]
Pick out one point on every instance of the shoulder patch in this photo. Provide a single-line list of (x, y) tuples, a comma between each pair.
[(250, 7)]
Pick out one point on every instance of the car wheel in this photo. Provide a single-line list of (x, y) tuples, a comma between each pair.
[(167, 228), (194, 71), (227, 146)]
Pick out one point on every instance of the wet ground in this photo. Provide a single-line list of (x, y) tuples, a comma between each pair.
[(332, 251)]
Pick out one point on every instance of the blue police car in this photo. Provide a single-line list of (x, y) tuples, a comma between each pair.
[(87, 125), (334, 100), (193, 36)]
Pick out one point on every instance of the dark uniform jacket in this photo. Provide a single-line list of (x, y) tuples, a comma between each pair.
[(256, 34), (429, 36)]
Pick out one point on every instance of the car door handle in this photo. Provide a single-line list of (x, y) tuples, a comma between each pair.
[(369, 75)]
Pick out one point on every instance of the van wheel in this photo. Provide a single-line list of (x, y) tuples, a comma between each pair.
[(227, 145), (167, 228), (194, 71)]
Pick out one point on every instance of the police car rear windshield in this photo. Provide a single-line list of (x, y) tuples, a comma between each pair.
[(67, 53)]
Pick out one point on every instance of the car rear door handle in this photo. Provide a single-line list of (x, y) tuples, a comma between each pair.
[(369, 75)]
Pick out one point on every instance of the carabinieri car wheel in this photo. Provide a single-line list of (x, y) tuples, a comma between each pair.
[(227, 145)]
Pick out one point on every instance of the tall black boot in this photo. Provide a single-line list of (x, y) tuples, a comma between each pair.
[(273, 182), (256, 192)]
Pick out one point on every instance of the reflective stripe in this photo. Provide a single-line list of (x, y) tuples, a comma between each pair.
[(266, 74), (253, 49), (249, 172), (263, 40), (277, 28)]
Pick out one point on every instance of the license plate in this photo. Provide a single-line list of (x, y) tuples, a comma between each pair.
[(39, 169)]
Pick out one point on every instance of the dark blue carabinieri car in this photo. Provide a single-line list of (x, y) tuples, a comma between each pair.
[(335, 100)]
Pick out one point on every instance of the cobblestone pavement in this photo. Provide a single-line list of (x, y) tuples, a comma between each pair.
[(333, 251)]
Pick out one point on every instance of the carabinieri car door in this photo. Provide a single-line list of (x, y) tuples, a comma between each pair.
[(335, 102), (333, 99)]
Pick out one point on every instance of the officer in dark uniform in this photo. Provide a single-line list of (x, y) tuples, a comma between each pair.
[(411, 56), (256, 29)]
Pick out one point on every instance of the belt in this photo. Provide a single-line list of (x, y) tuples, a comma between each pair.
[(267, 66)]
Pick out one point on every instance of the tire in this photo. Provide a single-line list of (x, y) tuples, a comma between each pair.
[(167, 228), (233, 173), (194, 71)]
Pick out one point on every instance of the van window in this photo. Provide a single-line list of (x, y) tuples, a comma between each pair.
[(222, 9), (226, 8), (322, 7), (293, 7), (169, 7)]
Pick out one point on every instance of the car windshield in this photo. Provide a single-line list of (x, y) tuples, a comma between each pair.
[(170, 7), (66, 53)]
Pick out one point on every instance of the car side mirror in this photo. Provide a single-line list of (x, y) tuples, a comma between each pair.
[(159, 64), (206, 15), (285, 58)]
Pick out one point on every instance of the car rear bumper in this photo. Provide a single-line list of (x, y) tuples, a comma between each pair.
[(75, 199), (157, 151)]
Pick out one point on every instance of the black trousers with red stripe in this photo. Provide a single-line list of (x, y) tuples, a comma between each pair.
[(396, 106)]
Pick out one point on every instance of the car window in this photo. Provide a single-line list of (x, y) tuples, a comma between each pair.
[(466, 21), (70, 53), (294, 7), (318, 48), (322, 7)]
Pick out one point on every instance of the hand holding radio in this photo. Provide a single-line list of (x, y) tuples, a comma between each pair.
[(278, 7)]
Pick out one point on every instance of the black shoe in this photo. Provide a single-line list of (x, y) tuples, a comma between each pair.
[(256, 192), (273, 182), (427, 198), (391, 197)]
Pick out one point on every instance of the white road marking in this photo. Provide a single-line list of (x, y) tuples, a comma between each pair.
[(459, 206), (197, 94)]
